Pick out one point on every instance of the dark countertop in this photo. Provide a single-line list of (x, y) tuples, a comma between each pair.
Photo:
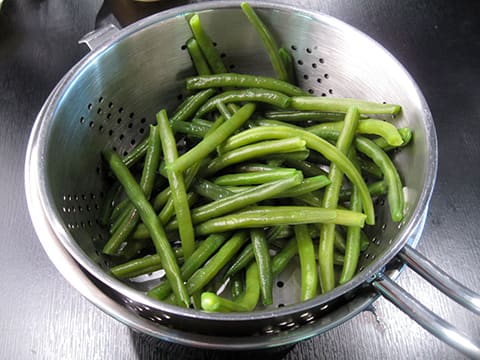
[(43, 317)]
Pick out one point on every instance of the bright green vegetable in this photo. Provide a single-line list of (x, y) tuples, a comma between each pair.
[(268, 41), (330, 201), (149, 218), (247, 301), (198, 60), (264, 263), (308, 265), (329, 104), (243, 81)]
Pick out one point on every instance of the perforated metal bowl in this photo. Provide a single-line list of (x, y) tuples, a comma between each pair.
[(111, 96)]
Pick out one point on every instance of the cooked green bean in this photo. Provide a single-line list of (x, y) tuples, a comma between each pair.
[(330, 201), (314, 143), (136, 154), (247, 301), (262, 258), (392, 178), (211, 268), (278, 159), (254, 178), (206, 45), (208, 144), (177, 184), (366, 126), (368, 167), (308, 265), (352, 239), (271, 97), (329, 104), (148, 216), (108, 207), (255, 167), (254, 151), (306, 167), (307, 186), (268, 41), (211, 190), (141, 232), (405, 133), (223, 110), (127, 225), (236, 286), (377, 188), (142, 266), (242, 81), (197, 57), (261, 216), (247, 255), (191, 105), (240, 200), (203, 252), (301, 116), (289, 64), (189, 128), (281, 260)]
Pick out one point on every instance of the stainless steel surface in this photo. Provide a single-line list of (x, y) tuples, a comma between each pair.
[(441, 280), (98, 105), (427, 319), (436, 42)]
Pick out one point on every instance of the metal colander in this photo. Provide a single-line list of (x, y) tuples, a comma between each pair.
[(112, 95)]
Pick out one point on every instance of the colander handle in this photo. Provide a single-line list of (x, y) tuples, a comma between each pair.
[(98, 37), (423, 316)]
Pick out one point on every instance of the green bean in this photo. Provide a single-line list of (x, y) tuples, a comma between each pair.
[(308, 265), (147, 180), (211, 190), (236, 286), (314, 143), (144, 265), (366, 126), (148, 216), (119, 210), (247, 254), (278, 159), (206, 45), (223, 110), (310, 199), (198, 258), (261, 216), (306, 167), (106, 212), (268, 41), (211, 268), (208, 144), (254, 178), (256, 167), (271, 97), (197, 57), (189, 128), (240, 200), (262, 258), (330, 201), (328, 104), (364, 241), (254, 151), (352, 243), (136, 154), (377, 188), (247, 301), (367, 166), (289, 64), (307, 186), (177, 184), (392, 178), (141, 232), (281, 260), (191, 105), (242, 81), (301, 116), (406, 135)]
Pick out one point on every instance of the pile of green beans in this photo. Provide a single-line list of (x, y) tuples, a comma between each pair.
[(270, 176)]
